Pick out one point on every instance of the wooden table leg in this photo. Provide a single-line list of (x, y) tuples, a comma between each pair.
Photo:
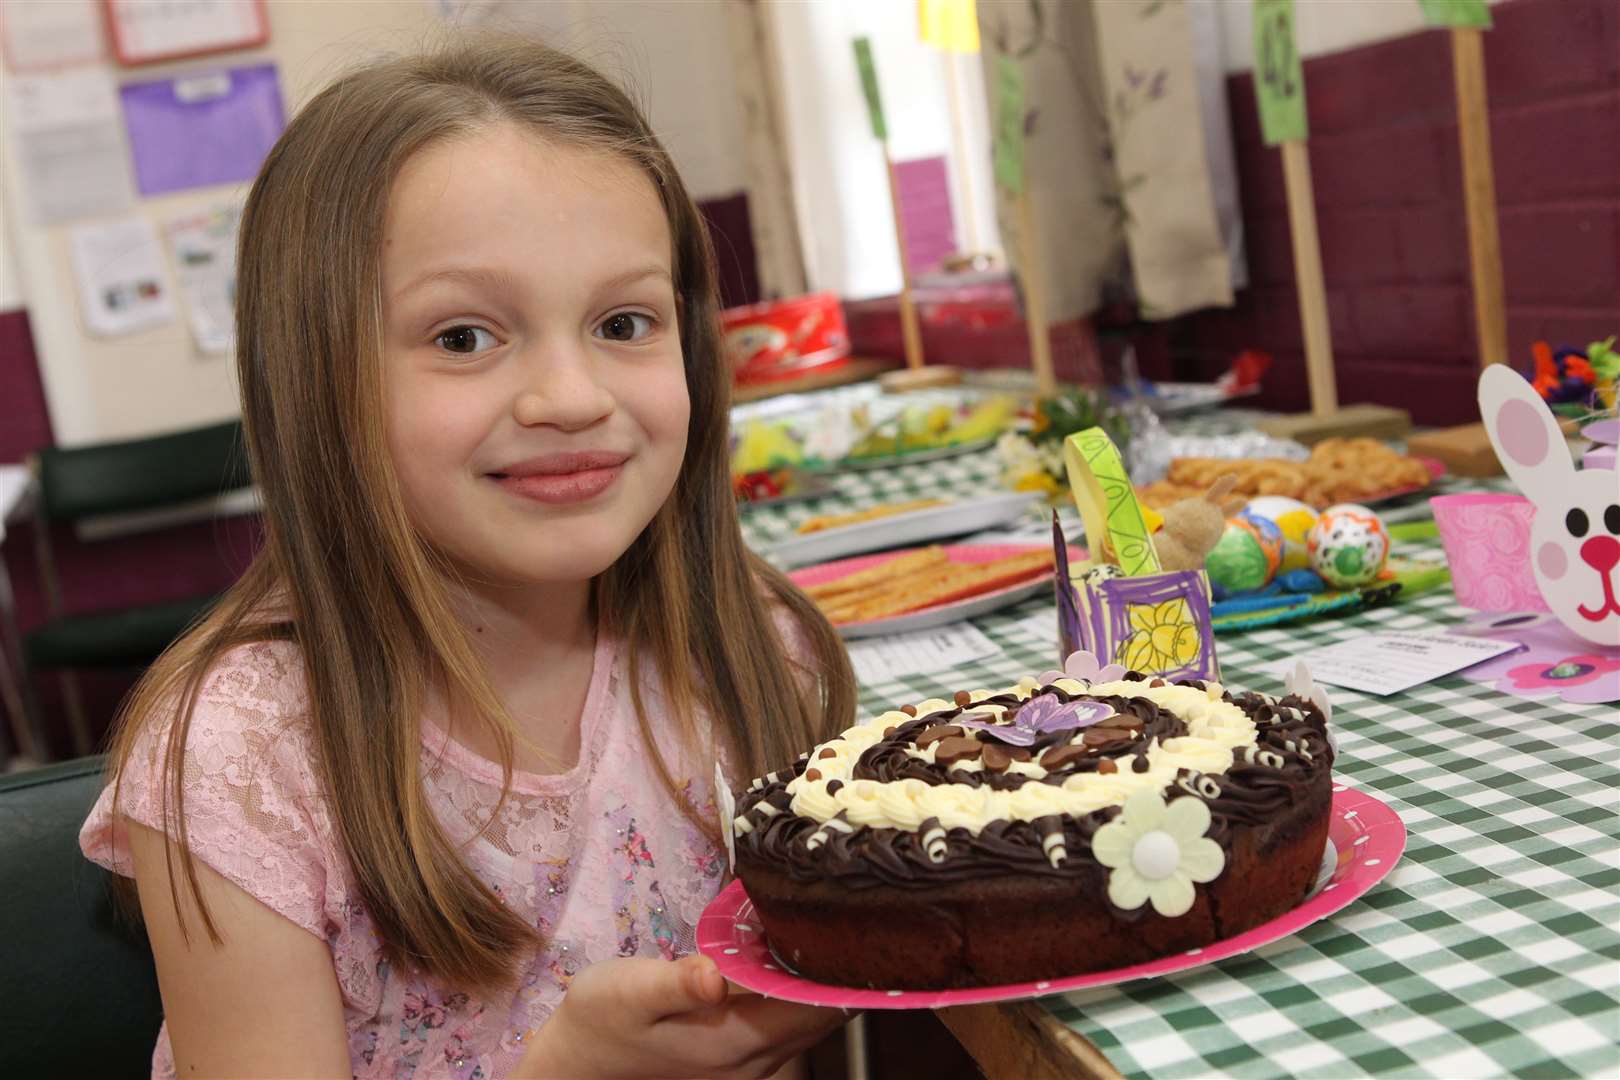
[(1022, 1041)]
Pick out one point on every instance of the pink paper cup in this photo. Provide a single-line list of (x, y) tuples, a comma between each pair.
[(1487, 542)]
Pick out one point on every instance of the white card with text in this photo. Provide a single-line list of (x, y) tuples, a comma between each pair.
[(1388, 663), (897, 655)]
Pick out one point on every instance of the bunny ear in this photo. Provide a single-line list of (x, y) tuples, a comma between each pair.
[(1523, 432)]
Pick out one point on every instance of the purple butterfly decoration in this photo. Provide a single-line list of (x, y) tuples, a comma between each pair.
[(1041, 715)]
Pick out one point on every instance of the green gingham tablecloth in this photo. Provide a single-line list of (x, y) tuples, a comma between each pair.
[(1492, 949)]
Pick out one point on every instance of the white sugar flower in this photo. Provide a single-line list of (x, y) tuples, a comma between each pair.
[(1156, 852)]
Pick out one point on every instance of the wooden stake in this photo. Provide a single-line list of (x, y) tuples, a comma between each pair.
[(1040, 340), (1479, 195), (908, 308), (1313, 315)]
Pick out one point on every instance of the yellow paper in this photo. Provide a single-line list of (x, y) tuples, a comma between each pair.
[(1107, 502), (952, 25)]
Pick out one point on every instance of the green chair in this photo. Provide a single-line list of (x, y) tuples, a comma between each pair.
[(136, 485), (79, 975)]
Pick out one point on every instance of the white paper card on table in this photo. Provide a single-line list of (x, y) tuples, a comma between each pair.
[(1391, 662), (119, 267), (879, 658), (68, 134)]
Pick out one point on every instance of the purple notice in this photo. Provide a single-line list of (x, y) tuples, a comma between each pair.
[(209, 128)]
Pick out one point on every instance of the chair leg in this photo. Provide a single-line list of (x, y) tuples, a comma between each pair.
[(78, 724)]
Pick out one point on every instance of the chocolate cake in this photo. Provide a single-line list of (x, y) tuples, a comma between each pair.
[(1051, 829)]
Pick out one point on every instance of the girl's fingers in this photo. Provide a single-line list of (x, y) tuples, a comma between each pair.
[(687, 985)]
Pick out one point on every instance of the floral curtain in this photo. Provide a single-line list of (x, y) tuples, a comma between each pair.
[(1128, 158)]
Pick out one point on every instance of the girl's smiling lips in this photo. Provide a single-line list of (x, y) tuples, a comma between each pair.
[(570, 477)]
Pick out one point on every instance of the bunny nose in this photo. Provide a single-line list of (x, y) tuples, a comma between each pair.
[(1601, 553)]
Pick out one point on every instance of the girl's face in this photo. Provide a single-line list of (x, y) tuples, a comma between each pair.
[(536, 399)]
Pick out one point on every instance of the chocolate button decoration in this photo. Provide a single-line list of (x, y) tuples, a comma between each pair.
[(1061, 757), (1107, 765), (936, 733), (812, 774), (963, 698), (957, 748), (827, 753), (909, 710), (997, 757)]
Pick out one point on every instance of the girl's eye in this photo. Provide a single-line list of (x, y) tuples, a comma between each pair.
[(625, 326), (465, 340)]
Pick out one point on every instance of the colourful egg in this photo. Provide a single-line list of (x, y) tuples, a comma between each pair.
[(1293, 519), (1348, 545), (1246, 556)]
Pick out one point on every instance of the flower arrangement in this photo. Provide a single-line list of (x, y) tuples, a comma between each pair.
[(1574, 382), (1032, 459)]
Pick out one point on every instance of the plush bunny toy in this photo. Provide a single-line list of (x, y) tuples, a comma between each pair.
[(1575, 536)]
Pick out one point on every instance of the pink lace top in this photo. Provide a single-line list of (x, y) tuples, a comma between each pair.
[(598, 858)]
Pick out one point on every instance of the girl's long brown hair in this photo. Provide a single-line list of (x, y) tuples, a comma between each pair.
[(355, 586)]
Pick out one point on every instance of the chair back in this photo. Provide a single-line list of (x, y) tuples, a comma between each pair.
[(141, 474), (80, 980)]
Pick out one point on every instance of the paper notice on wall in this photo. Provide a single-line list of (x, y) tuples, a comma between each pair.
[(204, 247), (68, 134), (119, 268), (880, 658)]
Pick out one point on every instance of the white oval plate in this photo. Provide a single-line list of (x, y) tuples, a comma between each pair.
[(902, 530)]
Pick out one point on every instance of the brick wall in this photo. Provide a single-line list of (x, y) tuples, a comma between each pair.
[(925, 210), (1388, 181)]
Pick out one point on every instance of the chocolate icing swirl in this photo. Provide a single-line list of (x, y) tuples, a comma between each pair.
[(1291, 752)]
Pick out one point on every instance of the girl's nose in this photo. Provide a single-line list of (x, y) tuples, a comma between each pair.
[(563, 392)]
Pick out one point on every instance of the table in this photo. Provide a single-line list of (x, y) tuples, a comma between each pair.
[(1491, 949)]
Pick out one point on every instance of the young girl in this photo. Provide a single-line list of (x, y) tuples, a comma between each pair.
[(430, 792)]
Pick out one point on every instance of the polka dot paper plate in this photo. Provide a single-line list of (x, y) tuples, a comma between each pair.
[(1365, 840)]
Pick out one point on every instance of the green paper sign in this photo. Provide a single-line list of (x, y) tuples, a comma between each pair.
[(869, 87), (1458, 13), (1279, 81), (1009, 126)]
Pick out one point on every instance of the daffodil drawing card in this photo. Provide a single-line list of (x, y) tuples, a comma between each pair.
[(1158, 624)]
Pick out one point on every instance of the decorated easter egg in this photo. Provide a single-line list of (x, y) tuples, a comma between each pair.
[(1246, 556), (1348, 545), (1293, 519)]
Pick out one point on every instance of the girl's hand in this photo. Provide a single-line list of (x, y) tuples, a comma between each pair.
[(638, 1017)]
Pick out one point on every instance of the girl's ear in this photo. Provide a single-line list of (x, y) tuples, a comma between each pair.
[(1523, 432)]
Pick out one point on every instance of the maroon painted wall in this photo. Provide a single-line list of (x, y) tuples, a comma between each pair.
[(1388, 179)]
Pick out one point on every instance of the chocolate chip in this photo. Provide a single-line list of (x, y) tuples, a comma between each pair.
[(957, 748), (909, 710), (1156, 682), (812, 774), (833, 786), (936, 733), (1059, 757), (827, 753), (1139, 763), (963, 698), (1107, 765)]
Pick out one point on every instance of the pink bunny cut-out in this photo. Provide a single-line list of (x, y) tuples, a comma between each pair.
[(1575, 535)]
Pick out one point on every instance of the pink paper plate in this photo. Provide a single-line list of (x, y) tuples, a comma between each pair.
[(1367, 839), (937, 614)]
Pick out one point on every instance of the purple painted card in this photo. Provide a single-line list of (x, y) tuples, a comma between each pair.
[(198, 130)]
